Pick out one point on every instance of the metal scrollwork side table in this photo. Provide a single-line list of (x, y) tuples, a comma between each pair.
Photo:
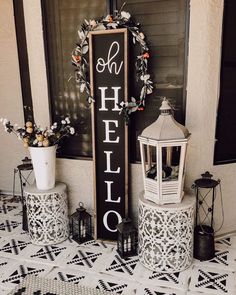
[(48, 221), (166, 235)]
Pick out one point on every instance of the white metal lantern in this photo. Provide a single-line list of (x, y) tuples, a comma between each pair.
[(163, 150)]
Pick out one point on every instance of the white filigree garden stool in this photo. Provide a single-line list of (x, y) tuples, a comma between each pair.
[(166, 235), (47, 211)]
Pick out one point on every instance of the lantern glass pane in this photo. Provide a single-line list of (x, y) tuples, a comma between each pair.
[(150, 161), (170, 162), (205, 206)]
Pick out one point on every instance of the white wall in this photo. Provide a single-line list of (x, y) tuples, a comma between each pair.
[(202, 99), (11, 150)]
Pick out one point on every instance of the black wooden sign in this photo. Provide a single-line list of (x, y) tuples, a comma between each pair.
[(109, 86)]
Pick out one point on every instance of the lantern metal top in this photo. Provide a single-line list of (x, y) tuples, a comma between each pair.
[(81, 208), (206, 181), (125, 226), (166, 127), (81, 212)]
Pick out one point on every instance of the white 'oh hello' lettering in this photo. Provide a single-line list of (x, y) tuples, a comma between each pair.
[(110, 137), (110, 64)]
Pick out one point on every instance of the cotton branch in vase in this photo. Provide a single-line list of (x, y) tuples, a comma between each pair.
[(33, 135)]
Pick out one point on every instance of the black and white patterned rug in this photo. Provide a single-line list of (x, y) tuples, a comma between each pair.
[(97, 267)]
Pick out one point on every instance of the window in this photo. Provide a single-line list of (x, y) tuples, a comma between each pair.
[(165, 25), (225, 146), (63, 19)]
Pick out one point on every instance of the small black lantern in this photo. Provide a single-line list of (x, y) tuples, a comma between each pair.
[(205, 190), (127, 241), (81, 225)]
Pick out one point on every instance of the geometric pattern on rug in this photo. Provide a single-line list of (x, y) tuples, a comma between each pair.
[(159, 291), (179, 280), (17, 272), (110, 286), (96, 264), (49, 253), (69, 243), (8, 209), (66, 275), (84, 258), (212, 281), (8, 198), (227, 241), (167, 277), (9, 226), (6, 264), (14, 246), (104, 282), (21, 272), (123, 266), (224, 259), (101, 245)]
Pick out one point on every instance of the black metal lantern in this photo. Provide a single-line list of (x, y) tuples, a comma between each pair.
[(81, 225), (205, 189), (24, 171), (127, 241)]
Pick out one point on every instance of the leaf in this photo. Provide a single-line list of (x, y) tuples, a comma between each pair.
[(100, 27), (134, 109), (143, 92), (113, 25), (81, 35), (149, 91), (82, 87), (85, 49)]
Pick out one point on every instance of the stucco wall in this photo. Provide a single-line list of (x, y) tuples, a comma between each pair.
[(202, 100), (11, 150)]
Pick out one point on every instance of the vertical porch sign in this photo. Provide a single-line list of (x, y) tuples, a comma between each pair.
[(108, 54)]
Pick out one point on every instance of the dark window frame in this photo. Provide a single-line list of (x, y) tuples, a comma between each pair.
[(23, 60), (225, 141)]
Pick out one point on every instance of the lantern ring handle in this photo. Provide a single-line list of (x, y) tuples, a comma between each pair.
[(81, 204)]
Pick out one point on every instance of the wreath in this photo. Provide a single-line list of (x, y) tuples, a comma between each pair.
[(119, 20)]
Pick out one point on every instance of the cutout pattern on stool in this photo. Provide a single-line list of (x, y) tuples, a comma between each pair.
[(165, 237), (44, 212)]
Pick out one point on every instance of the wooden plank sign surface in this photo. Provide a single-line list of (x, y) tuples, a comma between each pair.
[(109, 86)]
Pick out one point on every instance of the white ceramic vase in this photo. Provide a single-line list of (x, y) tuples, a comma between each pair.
[(44, 164)]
